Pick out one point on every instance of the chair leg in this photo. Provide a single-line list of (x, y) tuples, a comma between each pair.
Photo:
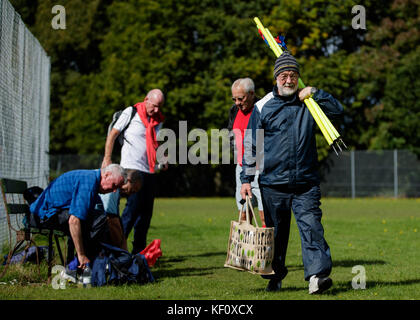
[(16, 248), (6, 266), (28, 245), (9, 257), (50, 243), (38, 262), (57, 241)]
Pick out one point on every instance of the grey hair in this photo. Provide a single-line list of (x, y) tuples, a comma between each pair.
[(116, 170), (245, 83)]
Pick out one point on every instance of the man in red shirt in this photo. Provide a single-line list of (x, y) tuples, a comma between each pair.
[(243, 96)]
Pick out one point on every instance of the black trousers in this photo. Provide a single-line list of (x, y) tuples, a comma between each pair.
[(94, 230), (138, 212), (304, 201)]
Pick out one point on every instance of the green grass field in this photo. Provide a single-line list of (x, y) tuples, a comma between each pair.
[(382, 235)]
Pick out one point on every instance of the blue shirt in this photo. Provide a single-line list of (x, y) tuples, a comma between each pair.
[(75, 190), (110, 202)]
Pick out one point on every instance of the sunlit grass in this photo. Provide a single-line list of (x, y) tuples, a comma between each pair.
[(382, 235)]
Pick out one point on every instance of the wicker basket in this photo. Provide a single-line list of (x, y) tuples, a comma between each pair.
[(250, 248)]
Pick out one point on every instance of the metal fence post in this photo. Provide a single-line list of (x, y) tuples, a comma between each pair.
[(353, 175), (395, 173)]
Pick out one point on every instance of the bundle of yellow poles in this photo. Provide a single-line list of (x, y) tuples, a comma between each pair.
[(330, 133)]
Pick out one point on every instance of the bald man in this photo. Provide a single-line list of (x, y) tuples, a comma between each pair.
[(139, 152)]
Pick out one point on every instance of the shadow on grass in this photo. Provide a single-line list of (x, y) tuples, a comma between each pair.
[(342, 287), (341, 263), (352, 263), (184, 257), (283, 289), (165, 270), (346, 286), (339, 287), (182, 272)]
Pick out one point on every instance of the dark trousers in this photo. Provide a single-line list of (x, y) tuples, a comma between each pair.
[(138, 212), (116, 232), (278, 202), (94, 230)]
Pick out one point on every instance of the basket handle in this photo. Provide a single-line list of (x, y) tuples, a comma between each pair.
[(248, 204)]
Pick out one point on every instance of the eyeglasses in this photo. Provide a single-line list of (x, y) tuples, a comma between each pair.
[(240, 99), (153, 105), (293, 77)]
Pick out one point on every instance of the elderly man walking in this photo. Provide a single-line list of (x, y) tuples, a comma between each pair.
[(139, 152), (289, 180), (243, 96)]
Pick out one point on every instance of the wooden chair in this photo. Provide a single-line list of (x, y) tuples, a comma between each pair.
[(16, 207)]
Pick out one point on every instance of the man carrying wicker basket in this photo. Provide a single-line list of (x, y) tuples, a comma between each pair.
[(288, 172)]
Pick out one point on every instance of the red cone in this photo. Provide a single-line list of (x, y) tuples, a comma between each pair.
[(152, 252)]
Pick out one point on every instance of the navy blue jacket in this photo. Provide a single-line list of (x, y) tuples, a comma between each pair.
[(289, 155)]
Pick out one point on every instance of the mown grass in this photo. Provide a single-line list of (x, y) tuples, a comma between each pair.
[(382, 235)]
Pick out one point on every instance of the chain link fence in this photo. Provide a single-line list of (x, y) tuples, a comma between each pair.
[(380, 173), (376, 173), (24, 106)]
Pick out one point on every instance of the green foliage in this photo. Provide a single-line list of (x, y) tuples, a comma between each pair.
[(190, 49), (387, 69), (113, 52), (74, 52)]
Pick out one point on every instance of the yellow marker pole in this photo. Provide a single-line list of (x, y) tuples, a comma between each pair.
[(327, 129), (273, 44), (317, 118), (278, 51), (327, 123), (333, 133), (323, 123)]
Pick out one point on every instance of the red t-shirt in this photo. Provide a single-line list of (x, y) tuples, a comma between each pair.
[(241, 123)]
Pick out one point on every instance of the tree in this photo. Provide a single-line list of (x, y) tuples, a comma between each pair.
[(113, 52), (388, 68), (74, 52), (192, 50)]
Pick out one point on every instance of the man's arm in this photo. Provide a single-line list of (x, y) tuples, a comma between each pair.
[(76, 234), (122, 123), (331, 106), (109, 146)]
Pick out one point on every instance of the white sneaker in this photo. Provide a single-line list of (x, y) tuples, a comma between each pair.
[(319, 285), (71, 276)]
